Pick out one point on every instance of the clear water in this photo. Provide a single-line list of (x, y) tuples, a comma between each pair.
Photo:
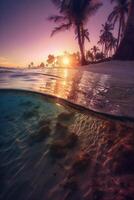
[(52, 151), (99, 92)]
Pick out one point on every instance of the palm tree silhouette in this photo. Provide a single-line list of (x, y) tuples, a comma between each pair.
[(119, 14), (85, 35), (101, 42), (105, 37), (32, 64), (89, 56), (74, 13), (51, 59), (100, 56), (94, 51), (112, 45), (42, 65), (126, 47)]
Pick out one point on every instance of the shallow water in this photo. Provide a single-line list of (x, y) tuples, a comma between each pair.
[(50, 151), (99, 92)]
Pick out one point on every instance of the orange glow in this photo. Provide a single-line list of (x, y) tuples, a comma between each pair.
[(66, 61)]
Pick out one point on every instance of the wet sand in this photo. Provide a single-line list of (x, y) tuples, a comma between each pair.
[(112, 68)]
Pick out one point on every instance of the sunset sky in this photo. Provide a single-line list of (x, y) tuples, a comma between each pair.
[(25, 31)]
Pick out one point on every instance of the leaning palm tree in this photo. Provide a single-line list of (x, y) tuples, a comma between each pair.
[(119, 14), (112, 46), (126, 47), (74, 13)]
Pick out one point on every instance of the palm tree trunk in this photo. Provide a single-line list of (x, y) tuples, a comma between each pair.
[(119, 33), (126, 47), (105, 50), (81, 45)]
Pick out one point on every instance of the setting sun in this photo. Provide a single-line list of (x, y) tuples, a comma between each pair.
[(66, 61)]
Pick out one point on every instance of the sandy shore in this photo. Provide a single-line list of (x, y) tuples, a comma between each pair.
[(120, 68)]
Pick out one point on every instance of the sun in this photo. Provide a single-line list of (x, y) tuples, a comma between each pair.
[(66, 61)]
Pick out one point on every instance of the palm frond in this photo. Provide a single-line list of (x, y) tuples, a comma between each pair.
[(112, 15), (86, 35), (115, 20), (57, 18), (62, 27)]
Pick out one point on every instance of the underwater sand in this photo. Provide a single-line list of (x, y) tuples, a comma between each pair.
[(51, 151)]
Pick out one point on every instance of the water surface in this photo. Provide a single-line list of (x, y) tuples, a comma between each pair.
[(111, 94)]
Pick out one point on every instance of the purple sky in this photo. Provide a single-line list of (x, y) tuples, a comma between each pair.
[(25, 31)]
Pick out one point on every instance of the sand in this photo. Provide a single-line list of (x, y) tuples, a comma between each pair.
[(120, 68)]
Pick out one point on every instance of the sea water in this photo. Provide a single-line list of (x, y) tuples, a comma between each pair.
[(53, 151), (50, 149)]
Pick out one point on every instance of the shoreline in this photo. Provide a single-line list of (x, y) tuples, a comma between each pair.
[(95, 87), (120, 68)]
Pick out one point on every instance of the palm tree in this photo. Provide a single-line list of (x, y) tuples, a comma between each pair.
[(85, 35), (112, 45), (94, 51), (89, 56), (42, 65), (32, 64), (119, 14), (100, 56), (74, 13), (51, 59), (105, 37), (126, 47), (101, 42)]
